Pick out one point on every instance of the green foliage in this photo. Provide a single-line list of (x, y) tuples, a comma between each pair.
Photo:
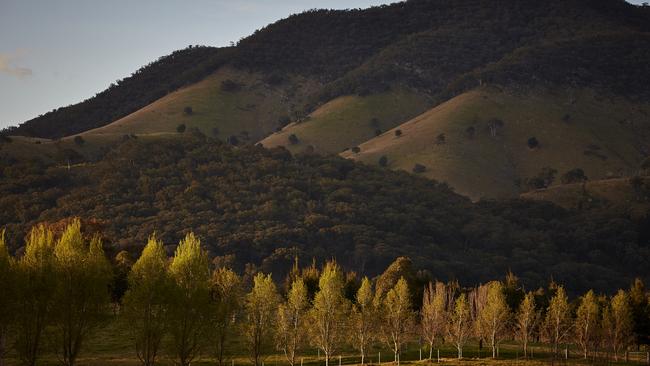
[(291, 322), (261, 311), (363, 319), (493, 314), (146, 303), (226, 291), (398, 317), (189, 310)]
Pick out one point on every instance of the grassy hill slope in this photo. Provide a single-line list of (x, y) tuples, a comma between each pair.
[(348, 121), (574, 128)]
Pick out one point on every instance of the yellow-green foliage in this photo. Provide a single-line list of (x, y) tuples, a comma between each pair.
[(261, 310), (347, 121)]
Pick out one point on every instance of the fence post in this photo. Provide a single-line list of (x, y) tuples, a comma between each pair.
[(420, 353), (379, 357), (339, 360), (566, 352), (647, 358), (301, 359), (438, 355)]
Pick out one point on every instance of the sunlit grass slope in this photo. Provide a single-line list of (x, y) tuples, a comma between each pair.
[(574, 128), (347, 121)]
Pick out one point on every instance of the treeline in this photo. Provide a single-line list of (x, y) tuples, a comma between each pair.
[(186, 307), (264, 205)]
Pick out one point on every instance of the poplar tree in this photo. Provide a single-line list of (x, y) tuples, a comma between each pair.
[(558, 319), (526, 321), (398, 317), (363, 319), (146, 302), (82, 297), (7, 293), (586, 323), (460, 322), (226, 290), (36, 284), (291, 320), (434, 313), (261, 310), (327, 316), (617, 323), (494, 315), (189, 313)]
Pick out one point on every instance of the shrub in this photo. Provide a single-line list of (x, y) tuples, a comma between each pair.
[(398, 133), (419, 168), (180, 128), (383, 160), (576, 175), (79, 140), (533, 143), (293, 139), (188, 111), (543, 179), (440, 139), (230, 86), (356, 149)]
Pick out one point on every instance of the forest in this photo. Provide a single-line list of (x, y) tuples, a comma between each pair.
[(265, 206), (64, 288)]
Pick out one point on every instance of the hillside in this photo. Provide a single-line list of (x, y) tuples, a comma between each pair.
[(263, 206), (478, 142)]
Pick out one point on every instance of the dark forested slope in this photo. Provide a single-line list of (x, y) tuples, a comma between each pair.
[(265, 206)]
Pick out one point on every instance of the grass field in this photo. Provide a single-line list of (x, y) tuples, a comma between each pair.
[(348, 121), (112, 345), (575, 129)]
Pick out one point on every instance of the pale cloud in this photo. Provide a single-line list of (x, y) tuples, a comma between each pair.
[(7, 66)]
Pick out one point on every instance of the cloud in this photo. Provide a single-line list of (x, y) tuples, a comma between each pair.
[(7, 67)]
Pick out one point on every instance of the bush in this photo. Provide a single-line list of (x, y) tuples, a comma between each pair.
[(293, 139), (79, 140), (180, 128), (188, 111), (398, 133), (356, 149), (419, 168), (576, 175), (440, 139), (383, 160), (533, 143), (543, 179), (230, 86)]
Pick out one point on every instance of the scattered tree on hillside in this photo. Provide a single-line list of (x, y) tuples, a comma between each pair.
[(441, 139), (81, 297), (434, 314), (181, 128), (576, 175), (291, 322), (419, 168), (470, 132), (398, 133), (146, 302), (188, 111), (532, 143), (543, 179), (226, 293), (383, 161), (293, 139), (78, 140), (377, 132), (526, 321), (363, 319), (494, 126), (261, 312), (356, 149), (189, 311), (493, 315), (327, 315)]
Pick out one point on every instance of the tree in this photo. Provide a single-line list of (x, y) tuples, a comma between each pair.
[(81, 300), (181, 128), (398, 316), (576, 175), (261, 310), (433, 313), (36, 284), (617, 323), (640, 311), (398, 133), (291, 320), (419, 168), (187, 111), (383, 161), (363, 318), (493, 315), (293, 139), (79, 141), (586, 323), (558, 319), (460, 323), (7, 293), (189, 311), (532, 143), (226, 301), (526, 321), (146, 302), (327, 316)]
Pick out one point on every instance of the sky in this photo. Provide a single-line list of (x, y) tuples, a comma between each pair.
[(55, 53)]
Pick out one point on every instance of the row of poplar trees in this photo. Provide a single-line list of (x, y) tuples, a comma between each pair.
[(60, 288)]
